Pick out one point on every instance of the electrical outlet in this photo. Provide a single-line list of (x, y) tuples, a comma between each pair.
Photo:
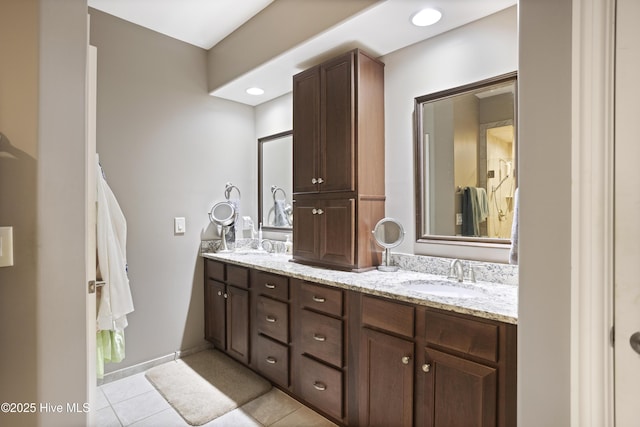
[(458, 219)]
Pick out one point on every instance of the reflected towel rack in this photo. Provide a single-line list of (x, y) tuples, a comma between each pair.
[(228, 188), (275, 189)]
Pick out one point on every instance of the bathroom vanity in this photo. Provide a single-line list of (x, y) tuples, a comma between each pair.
[(373, 348)]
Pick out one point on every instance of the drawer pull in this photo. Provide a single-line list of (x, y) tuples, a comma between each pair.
[(319, 386), (405, 360), (271, 360), (269, 286), (318, 299), (426, 367), (320, 338), (271, 319)]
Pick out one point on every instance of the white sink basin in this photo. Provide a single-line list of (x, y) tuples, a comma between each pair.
[(442, 289)]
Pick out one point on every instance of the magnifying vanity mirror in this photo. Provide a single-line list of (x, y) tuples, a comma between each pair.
[(388, 233), (223, 214), (275, 181), (466, 163)]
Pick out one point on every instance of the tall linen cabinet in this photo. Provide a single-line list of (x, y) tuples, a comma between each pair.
[(338, 162)]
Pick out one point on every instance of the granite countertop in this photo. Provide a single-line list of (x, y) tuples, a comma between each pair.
[(487, 300)]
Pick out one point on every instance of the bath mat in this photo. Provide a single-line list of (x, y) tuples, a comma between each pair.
[(206, 385)]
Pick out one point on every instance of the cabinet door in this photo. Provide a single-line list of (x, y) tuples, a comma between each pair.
[(458, 392), (305, 230), (306, 130), (238, 323), (215, 313), (337, 231), (337, 131), (386, 380)]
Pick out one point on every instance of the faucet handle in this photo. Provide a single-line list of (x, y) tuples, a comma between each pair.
[(472, 273)]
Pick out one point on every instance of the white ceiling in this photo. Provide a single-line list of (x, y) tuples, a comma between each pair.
[(201, 23), (380, 29)]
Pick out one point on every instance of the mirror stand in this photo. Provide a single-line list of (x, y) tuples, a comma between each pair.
[(388, 233)]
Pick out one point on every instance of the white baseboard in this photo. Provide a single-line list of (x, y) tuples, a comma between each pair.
[(144, 366)]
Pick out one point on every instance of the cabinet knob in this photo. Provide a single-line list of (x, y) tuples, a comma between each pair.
[(269, 286), (225, 295), (314, 211), (271, 319), (406, 360), (219, 293), (271, 360), (319, 337), (314, 181), (426, 367), (319, 386), (318, 299), (320, 180), (320, 211)]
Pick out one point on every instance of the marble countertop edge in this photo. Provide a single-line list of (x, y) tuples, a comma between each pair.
[(496, 301)]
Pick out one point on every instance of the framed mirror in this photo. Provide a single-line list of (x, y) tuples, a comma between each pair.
[(466, 162), (275, 181)]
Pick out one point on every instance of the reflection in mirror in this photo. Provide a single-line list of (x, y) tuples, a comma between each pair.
[(466, 162), (275, 181), (388, 233)]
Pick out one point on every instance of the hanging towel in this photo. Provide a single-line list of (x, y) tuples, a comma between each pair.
[(513, 253), (281, 219), (231, 231), (483, 204), (111, 237)]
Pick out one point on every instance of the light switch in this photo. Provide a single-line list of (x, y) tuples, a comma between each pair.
[(6, 246), (179, 225)]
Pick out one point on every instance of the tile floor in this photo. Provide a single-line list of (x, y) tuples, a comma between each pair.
[(134, 401)]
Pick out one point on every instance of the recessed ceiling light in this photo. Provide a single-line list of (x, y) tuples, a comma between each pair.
[(255, 91), (426, 17)]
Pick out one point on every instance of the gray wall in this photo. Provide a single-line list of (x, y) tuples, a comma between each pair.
[(42, 193), (479, 50), (167, 149), (544, 321)]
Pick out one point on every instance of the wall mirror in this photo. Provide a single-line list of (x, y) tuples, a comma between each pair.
[(275, 181), (465, 161)]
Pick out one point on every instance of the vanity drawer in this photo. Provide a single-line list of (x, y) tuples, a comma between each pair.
[(321, 386), (321, 298), (272, 319), (388, 315), (464, 335), (215, 270), (238, 276), (272, 285), (321, 336), (272, 360)]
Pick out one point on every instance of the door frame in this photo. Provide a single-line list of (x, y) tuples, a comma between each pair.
[(592, 171)]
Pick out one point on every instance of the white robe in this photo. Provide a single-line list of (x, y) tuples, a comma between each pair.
[(115, 301)]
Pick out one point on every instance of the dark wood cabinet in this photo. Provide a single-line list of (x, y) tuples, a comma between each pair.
[(458, 392), (469, 358), (361, 359), (227, 309), (270, 331), (327, 231), (387, 357), (338, 161), (319, 347), (386, 380), (215, 314)]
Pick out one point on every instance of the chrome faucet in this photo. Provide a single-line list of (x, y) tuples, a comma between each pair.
[(456, 271)]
